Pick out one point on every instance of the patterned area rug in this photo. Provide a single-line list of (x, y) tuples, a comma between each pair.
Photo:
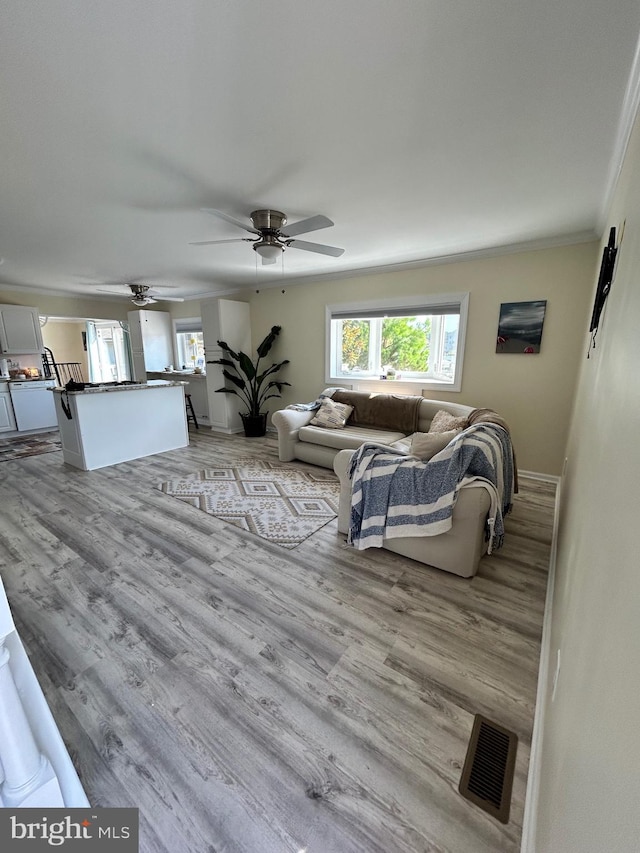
[(282, 505), (31, 445)]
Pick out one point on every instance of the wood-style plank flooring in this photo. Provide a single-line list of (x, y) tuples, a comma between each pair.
[(250, 699)]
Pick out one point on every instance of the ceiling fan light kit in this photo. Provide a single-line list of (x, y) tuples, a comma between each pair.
[(269, 249), (274, 235)]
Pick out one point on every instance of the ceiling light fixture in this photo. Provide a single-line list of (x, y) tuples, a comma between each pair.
[(269, 248)]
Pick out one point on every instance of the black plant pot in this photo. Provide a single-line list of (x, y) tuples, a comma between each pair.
[(254, 425)]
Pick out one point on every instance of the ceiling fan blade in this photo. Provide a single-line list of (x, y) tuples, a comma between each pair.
[(334, 251), (230, 219), (314, 223), (101, 290), (213, 242), (267, 261), (161, 298)]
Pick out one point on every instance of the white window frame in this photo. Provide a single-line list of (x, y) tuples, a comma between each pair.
[(185, 325), (418, 304)]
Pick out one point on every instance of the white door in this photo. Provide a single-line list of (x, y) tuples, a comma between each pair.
[(107, 347)]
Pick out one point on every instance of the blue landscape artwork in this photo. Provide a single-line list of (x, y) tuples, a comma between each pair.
[(520, 326)]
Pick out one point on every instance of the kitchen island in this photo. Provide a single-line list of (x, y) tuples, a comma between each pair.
[(105, 424)]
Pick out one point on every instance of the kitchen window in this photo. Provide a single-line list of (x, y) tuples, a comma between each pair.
[(190, 343), (409, 340)]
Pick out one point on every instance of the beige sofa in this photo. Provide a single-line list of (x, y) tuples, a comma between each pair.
[(457, 551)]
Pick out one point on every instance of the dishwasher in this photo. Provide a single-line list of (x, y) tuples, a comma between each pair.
[(33, 404)]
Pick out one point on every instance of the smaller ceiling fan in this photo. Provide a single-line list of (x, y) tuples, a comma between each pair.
[(274, 235), (143, 294)]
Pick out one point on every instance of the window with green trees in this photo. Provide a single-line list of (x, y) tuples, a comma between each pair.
[(410, 343)]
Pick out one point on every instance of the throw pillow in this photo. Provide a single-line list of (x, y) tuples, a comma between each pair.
[(332, 415), (424, 445), (445, 421)]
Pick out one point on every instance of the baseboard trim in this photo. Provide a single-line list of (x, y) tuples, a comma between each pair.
[(536, 475), (528, 844)]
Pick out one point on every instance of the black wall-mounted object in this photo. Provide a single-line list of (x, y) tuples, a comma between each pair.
[(604, 285)]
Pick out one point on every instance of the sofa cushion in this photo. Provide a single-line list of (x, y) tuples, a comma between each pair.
[(347, 438), (445, 421), (332, 415), (425, 445)]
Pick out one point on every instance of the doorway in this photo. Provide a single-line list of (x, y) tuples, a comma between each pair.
[(88, 350), (108, 351)]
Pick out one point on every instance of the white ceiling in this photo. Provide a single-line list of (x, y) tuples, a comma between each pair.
[(422, 128)]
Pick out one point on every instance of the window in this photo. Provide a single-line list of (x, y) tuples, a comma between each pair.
[(190, 343), (412, 339)]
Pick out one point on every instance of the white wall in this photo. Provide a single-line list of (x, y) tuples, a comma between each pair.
[(533, 392), (590, 771)]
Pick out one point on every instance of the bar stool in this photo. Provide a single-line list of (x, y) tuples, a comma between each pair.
[(191, 415)]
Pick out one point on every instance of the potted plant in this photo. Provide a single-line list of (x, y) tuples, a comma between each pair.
[(251, 385)]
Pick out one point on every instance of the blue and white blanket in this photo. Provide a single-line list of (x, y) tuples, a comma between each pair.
[(394, 495)]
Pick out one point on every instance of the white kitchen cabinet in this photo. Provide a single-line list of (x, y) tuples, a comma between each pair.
[(20, 330), (225, 320), (7, 419), (151, 336), (229, 321), (224, 409)]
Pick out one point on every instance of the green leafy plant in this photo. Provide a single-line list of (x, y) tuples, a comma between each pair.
[(247, 381)]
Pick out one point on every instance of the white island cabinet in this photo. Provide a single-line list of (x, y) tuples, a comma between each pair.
[(106, 424)]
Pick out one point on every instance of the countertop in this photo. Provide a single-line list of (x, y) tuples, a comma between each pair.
[(102, 389), (183, 373)]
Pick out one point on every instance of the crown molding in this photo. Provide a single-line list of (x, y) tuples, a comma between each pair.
[(68, 294), (572, 239), (48, 291)]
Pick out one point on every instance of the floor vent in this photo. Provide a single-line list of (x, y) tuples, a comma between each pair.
[(487, 775)]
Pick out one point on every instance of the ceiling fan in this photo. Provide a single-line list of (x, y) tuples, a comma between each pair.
[(273, 235), (143, 294)]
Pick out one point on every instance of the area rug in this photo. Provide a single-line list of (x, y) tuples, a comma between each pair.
[(281, 505), (31, 445)]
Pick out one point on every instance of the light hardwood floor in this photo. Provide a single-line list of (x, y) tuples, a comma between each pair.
[(256, 700)]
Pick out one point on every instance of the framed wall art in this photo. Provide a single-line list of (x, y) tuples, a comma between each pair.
[(520, 327)]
